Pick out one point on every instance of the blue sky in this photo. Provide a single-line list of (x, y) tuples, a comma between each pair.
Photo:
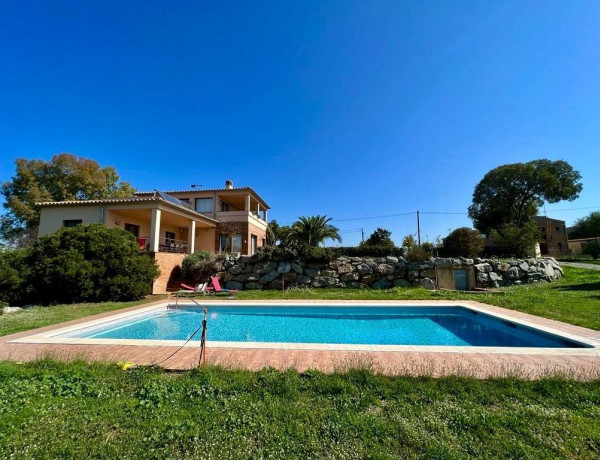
[(350, 109)]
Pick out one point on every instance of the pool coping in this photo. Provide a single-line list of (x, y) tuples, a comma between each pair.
[(587, 337)]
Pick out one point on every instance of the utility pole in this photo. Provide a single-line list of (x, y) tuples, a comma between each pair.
[(418, 229), (362, 232)]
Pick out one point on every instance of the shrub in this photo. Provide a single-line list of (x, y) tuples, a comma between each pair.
[(462, 242), (417, 254), (592, 249), (14, 288), (200, 265), (89, 263)]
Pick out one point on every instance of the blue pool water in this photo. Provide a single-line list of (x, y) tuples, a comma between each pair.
[(340, 325)]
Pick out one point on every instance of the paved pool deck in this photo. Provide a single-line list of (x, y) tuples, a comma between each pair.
[(578, 363)]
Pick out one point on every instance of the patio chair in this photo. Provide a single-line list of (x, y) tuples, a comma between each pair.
[(201, 289), (216, 287)]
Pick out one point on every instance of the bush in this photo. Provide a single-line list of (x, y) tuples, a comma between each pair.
[(14, 288), (592, 249), (417, 254), (462, 242), (200, 265), (89, 263)]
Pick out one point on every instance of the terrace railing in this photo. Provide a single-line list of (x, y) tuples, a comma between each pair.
[(164, 245)]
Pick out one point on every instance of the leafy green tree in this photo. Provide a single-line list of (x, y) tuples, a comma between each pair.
[(587, 227), (408, 241), (312, 231), (380, 237), (276, 232), (64, 177), (510, 195), (592, 249), (463, 242)]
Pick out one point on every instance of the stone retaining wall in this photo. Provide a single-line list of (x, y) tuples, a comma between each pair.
[(247, 272)]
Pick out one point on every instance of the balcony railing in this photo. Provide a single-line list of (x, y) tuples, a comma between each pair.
[(164, 245)]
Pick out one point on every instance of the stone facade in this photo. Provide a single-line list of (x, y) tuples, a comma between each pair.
[(248, 272)]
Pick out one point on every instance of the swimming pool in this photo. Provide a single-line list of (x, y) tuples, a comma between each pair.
[(313, 324)]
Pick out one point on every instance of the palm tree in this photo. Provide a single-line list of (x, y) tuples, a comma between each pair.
[(312, 231)]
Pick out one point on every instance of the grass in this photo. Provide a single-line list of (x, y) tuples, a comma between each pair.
[(582, 260), (34, 317), (76, 410), (574, 299)]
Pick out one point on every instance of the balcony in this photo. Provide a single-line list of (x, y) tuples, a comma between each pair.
[(164, 245)]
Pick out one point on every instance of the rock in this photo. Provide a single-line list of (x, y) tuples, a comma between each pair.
[(482, 279), (226, 276), (303, 279), (370, 263), (399, 272), (558, 273), (247, 277), (401, 283), (391, 260), (495, 277), (412, 275), (364, 269), (385, 269), (483, 268), (371, 278), (381, 284), (277, 284), (234, 285), (245, 259), (324, 281), (264, 267), (346, 268), (228, 264), (290, 277), (247, 269), (443, 262), (297, 268), (513, 273), (253, 286), (268, 277), (350, 277), (328, 273), (457, 263), (427, 274), (8, 310), (235, 270), (426, 283), (284, 266), (312, 272), (524, 266), (468, 262)]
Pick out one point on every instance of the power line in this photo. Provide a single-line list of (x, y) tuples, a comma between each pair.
[(376, 217)]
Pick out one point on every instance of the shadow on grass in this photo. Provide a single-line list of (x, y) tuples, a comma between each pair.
[(579, 287)]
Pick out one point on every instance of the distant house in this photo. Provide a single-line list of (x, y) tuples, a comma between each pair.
[(168, 225), (576, 246), (553, 236)]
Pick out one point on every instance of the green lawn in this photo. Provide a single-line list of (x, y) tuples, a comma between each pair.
[(34, 317), (574, 299), (52, 410)]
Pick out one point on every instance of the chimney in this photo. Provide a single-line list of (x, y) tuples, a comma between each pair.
[(228, 185)]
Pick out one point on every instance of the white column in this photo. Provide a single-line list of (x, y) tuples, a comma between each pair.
[(155, 230), (247, 202), (192, 236), (266, 220), (258, 210)]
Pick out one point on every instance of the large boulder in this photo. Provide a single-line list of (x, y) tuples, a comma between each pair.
[(246, 277), (297, 268), (234, 285), (312, 272), (303, 279), (426, 283), (324, 281), (268, 277), (284, 266), (381, 284), (370, 278), (264, 267), (385, 269), (235, 269), (350, 277), (345, 268), (483, 268), (364, 269), (401, 283)]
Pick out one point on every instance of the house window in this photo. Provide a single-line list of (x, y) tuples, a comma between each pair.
[(224, 206), (204, 205), (72, 222), (253, 244), (133, 229), (557, 228), (228, 244)]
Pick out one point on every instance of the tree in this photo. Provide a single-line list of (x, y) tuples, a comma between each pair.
[(312, 231), (408, 241), (587, 227), (511, 194), (463, 242), (379, 237), (64, 177), (592, 249), (276, 232)]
